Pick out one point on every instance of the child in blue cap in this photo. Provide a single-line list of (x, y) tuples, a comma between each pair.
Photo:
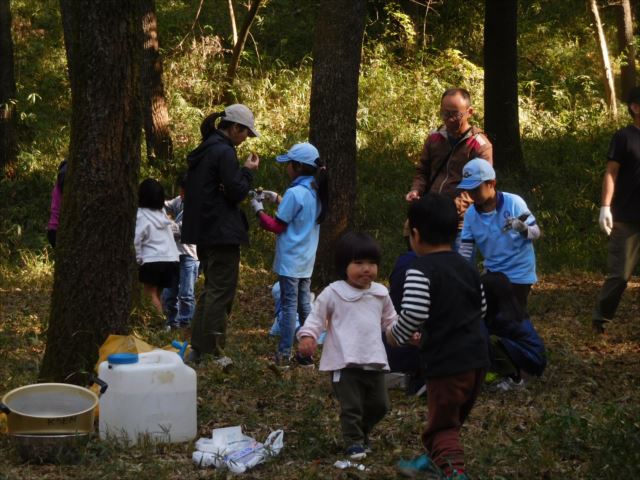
[(502, 227), (297, 225)]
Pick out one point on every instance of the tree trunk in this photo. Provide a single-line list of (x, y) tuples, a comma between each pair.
[(156, 115), (237, 50), (601, 40), (94, 255), (232, 18), (8, 120), (627, 47), (501, 119), (337, 46)]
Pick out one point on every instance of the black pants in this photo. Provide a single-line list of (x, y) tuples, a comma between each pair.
[(364, 401)]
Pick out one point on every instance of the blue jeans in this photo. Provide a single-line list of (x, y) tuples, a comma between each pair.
[(179, 300), (295, 298)]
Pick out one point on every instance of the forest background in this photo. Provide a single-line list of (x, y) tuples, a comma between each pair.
[(412, 52)]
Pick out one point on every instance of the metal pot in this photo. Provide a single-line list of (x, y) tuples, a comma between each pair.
[(50, 409)]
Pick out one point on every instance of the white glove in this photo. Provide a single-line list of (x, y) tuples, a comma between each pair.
[(269, 196), (606, 220), (517, 225), (256, 205)]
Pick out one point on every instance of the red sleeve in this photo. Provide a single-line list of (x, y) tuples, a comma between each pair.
[(271, 224)]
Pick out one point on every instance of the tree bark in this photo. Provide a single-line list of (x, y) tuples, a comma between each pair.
[(237, 50), (627, 47), (339, 29), (8, 119), (94, 255), (501, 118), (601, 40), (156, 116)]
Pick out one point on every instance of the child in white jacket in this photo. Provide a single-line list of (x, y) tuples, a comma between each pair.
[(156, 251), (354, 311)]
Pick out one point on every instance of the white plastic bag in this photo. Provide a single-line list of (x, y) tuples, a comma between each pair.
[(229, 447)]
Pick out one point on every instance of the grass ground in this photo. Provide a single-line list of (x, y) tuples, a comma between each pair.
[(579, 421)]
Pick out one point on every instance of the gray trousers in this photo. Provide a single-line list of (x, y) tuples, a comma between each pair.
[(364, 401), (624, 253)]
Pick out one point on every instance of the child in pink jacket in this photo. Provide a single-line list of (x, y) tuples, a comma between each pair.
[(354, 311)]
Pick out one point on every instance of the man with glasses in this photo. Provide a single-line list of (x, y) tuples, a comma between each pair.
[(447, 150)]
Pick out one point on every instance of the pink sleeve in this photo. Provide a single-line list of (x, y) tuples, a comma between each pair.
[(317, 321), (56, 203), (271, 224)]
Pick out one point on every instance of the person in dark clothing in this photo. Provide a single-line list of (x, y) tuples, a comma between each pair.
[(212, 219), (620, 215), (515, 346), (443, 306), (56, 204)]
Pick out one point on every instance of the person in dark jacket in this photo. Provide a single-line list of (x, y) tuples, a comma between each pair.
[(515, 347), (212, 219)]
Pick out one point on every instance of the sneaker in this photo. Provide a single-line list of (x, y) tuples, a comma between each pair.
[(170, 326), (507, 384), (304, 362), (282, 362), (224, 363), (416, 466), (458, 476), (598, 324), (356, 452)]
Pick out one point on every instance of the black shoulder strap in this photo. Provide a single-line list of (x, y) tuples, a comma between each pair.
[(446, 159)]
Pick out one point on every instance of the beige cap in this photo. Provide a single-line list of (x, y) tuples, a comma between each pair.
[(240, 114)]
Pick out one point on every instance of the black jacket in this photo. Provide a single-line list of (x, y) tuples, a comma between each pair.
[(216, 184)]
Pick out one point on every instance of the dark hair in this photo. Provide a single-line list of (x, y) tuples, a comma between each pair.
[(320, 183), (463, 92), (354, 246), (502, 304), (633, 97), (151, 194), (208, 125), (435, 217)]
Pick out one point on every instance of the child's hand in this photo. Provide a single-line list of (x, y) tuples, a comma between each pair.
[(415, 339), (307, 346)]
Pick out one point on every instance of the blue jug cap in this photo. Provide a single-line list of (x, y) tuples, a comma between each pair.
[(122, 358)]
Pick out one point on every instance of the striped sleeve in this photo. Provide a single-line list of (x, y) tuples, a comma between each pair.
[(466, 248), (414, 310), (484, 302)]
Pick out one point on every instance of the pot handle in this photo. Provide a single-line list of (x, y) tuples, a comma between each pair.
[(4, 409), (99, 381)]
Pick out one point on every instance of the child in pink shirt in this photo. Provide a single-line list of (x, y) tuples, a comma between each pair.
[(354, 311)]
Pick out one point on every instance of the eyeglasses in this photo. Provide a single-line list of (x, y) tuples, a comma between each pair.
[(454, 114)]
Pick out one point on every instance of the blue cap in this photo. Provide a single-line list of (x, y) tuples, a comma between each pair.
[(301, 152), (122, 358), (476, 172)]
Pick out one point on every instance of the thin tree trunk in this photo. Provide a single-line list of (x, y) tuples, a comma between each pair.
[(627, 47), (601, 40), (501, 119), (156, 115), (337, 46), (8, 119), (238, 48), (234, 28), (94, 254)]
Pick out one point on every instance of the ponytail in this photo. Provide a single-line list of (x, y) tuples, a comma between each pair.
[(321, 184), (208, 125)]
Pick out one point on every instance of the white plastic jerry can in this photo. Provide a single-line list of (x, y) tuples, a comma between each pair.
[(150, 395)]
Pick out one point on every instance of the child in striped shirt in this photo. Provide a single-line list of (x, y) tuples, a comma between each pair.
[(443, 302)]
